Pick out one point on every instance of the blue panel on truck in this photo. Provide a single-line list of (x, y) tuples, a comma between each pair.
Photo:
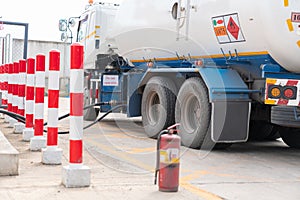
[(134, 99), (111, 84), (224, 83), (275, 71)]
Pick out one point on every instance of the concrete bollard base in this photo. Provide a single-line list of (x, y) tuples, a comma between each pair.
[(9, 158), (6, 119), (28, 133), (51, 156), (76, 177), (37, 143), (11, 122), (19, 127)]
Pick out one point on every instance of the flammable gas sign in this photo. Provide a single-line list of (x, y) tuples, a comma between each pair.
[(227, 28)]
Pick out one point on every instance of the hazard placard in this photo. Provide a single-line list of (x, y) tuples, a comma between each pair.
[(227, 28), (233, 28)]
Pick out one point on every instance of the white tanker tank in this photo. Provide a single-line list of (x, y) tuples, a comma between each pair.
[(208, 28), (223, 69)]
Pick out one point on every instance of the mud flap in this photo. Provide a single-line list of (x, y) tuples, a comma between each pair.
[(230, 121)]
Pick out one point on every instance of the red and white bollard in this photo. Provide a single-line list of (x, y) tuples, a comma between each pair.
[(5, 92), (38, 141), (19, 126), (76, 174), (2, 87), (10, 120), (15, 87), (52, 154), (28, 132), (14, 81)]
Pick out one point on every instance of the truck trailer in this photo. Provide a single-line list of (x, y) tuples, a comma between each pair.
[(226, 70)]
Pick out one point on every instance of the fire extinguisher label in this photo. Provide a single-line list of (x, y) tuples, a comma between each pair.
[(169, 156)]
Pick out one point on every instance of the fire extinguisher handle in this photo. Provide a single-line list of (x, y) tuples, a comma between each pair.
[(173, 126)]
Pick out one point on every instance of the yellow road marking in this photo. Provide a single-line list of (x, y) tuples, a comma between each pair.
[(184, 181), (142, 150), (121, 155), (286, 3)]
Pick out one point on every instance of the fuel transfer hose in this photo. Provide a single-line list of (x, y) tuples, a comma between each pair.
[(98, 120), (87, 107), (20, 118)]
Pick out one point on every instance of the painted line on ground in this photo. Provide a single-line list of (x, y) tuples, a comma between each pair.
[(184, 181)]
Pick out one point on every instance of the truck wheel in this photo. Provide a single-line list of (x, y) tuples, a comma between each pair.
[(158, 105), (193, 112), (262, 130), (89, 114), (290, 136)]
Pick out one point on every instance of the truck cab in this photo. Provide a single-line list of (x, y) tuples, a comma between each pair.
[(93, 31)]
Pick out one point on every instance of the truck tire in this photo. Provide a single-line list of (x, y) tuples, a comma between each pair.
[(193, 112), (91, 113), (158, 105), (290, 136), (262, 130)]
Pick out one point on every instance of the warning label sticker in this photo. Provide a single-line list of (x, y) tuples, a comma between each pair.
[(295, 17), (110, 80), (227, 28), (169, 156)]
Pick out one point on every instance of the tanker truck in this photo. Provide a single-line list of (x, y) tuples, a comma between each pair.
[(226, 70)]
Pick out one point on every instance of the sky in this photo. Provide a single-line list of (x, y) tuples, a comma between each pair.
[(42, 16)]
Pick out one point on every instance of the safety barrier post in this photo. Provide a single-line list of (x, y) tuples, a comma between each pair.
[(10, 93), (15, 88), (14, 81), (5, 92), (76, 174), (14, 93), (52, 154), (28, 132), (38, 141), (1, 87), (19, 126)]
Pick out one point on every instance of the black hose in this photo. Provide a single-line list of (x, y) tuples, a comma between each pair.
[(87, 107), (97, 120), (22, 119), (14, 115), (3, 106)]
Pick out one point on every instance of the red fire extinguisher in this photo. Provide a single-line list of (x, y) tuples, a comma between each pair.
[(167, 160)]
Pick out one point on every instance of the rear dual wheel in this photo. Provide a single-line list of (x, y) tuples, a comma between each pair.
[(290, 136), (192, 111), (158, 104)]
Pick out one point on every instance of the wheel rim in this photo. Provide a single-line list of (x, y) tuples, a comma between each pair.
[(153, 111), (191, 114)]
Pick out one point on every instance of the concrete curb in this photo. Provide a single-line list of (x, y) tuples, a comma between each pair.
[(9, 158)]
